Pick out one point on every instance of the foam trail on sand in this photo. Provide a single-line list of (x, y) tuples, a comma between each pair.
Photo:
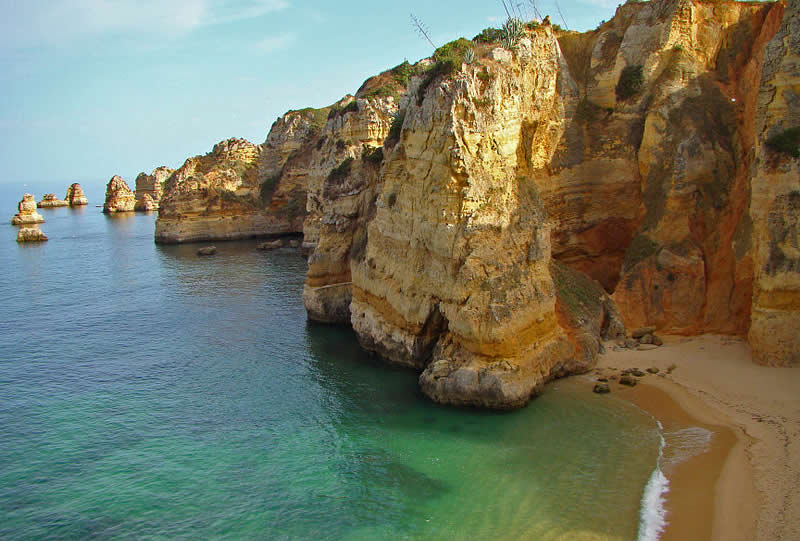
[(652, 513)]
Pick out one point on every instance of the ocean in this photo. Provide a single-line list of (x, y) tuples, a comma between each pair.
[(146, 392)]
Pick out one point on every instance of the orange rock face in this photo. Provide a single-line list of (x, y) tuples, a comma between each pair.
[(75, 196)]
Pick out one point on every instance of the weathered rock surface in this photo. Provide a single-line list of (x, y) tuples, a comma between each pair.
[(27, 212), (75, 196), (207, 250), (119, 197), (50, 200), (342, 188), (30, 234), (630, 154), (150, 187), (774, 213)]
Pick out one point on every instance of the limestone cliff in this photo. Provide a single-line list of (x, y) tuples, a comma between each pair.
[(119, 197), (215, 196), (342, 187), (75, 196), (27, 212), (774, 218), (640, 156), (150, 187)]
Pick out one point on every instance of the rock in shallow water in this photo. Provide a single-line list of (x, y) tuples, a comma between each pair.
[(208, 250), (602, 388), (31, 234)]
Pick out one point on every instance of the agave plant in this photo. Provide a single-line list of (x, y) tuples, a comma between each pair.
[(469, 56), (513, 30)]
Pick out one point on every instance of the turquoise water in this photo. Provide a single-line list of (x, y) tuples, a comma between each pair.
[(148, 392)]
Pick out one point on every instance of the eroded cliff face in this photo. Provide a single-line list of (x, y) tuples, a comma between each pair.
[(215, 196), (240, 189), (634, 155), (680, 144), (342, 185), (150, 187), (775, 202), (455, 275)]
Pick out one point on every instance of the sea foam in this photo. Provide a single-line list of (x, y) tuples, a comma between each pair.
[(652, 513)]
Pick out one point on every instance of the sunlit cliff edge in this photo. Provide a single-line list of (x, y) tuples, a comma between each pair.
[(490, 215)]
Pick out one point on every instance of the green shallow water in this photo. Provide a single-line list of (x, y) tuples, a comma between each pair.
[(149, 393)]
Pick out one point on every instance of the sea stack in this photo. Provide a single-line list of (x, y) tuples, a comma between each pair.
[(27, 212), (119, 197), (75, 196), (150, 187), (31, 234), (50, 200)]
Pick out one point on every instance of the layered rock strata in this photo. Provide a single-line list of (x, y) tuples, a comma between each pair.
[(75, 196), (637, 155), (50, 200), (240, 189), (119, 197), (774, 212), (150, 187), (342, 187), (27, 212)]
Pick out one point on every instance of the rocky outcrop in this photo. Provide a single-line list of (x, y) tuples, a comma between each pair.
[(533, 202), (30, 234), (50, 200), (119, 197), (240, 189), (342, 188), (150, 187), (27, 212), (75, 196), (774, 213)]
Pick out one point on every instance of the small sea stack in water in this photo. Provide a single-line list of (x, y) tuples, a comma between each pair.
[(27, 212), (119, 197), (75, 196), (50, 200), (150, 187), (31, 234)]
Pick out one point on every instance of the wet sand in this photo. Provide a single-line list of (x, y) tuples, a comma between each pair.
[(746, 485)]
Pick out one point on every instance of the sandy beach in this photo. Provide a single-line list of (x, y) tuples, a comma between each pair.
[(746, 483)]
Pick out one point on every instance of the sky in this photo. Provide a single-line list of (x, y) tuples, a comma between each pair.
[(93, 88)]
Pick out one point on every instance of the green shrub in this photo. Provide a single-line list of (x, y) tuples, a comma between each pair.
[(513, 30), (489, 35), (447, 60), (339, 173), (482, 103), (630, 83), (787, 142), (373, 155), (268, 188), (394, 130)]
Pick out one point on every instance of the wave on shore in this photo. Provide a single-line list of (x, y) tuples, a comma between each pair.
[(653, 513)]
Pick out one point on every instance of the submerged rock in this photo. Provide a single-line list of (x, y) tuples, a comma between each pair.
[(271, 245), (27, 212), (208, 250)]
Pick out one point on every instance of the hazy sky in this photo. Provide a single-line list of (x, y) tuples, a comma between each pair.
[(91, 88)]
